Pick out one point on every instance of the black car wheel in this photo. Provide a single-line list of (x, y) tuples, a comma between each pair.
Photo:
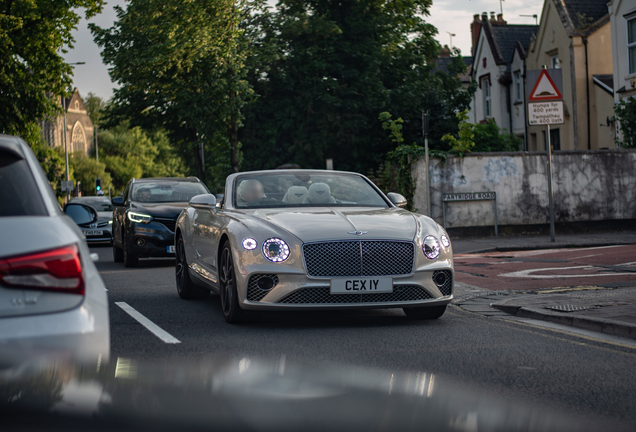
[(232, 312), (185, 287), (427, 313), (130, 260), (118, 254)]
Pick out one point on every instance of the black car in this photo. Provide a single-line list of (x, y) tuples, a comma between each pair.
[(145, 216)]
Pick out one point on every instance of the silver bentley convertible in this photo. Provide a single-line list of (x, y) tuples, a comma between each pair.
[(303, 239)]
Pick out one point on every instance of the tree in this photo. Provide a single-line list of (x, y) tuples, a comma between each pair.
[(95, 107), (33, 75), (86, 170), (181, 66), (625, 113), (483, 137), (337, 65)]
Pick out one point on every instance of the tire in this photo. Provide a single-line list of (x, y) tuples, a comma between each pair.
[(232, 312), (118, 254), (425, 313), (130, 260), (185, 287)]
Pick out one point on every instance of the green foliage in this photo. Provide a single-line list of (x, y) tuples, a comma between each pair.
[(328, 68), (86, 170), (134, 153), (483, 137), (181, 66), (95, 106), (34, 35), (464, 143), (51, 161), (625, 114)]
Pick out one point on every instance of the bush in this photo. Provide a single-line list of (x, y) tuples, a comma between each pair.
[(625, 113)]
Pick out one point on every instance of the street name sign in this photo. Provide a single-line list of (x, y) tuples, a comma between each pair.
[(470, 196), (543, 113)]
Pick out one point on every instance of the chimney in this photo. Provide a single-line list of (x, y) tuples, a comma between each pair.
[(500, 19), (484, 16), (492, 17), (475, 28), (444, 52)]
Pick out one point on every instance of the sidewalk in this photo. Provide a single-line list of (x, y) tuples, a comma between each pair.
[(518, 243)]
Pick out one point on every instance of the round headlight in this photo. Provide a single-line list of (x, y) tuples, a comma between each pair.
[(445, 240), (430, 247), (249, 243), (275, 250)]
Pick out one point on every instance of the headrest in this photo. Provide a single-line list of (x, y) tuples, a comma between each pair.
[(295, 195), (320, 193)]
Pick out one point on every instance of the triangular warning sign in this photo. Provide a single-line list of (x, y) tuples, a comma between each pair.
[(544, 89)]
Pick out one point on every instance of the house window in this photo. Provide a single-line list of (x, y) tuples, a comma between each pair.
[(631, 44), (555, 63), (518, 95), (555, 140), (78, 138), (485, 88)]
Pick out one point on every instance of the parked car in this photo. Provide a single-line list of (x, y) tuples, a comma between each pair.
[(52, 298), (145, 215), (102, 229), (297, 239)]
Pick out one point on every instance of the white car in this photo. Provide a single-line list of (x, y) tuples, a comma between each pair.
[(52, 298), (299, 239)]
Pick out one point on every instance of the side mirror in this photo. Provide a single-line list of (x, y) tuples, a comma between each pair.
[(80, 213), (118, 201), (397, 199), (219, 200), (203, 202)]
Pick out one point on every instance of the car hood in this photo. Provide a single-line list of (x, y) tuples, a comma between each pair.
[(167, 210), (317, 224)]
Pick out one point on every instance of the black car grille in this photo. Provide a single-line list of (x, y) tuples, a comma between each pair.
[(359, 258), (447, 287), (254, 293), (162, 243), (322, 295), (169, 223)]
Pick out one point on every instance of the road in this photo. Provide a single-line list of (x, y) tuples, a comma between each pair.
[(582, 375)]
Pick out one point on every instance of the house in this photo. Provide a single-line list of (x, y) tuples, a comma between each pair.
[(499, 51), (79, 127), (575, 35), (622, 14)]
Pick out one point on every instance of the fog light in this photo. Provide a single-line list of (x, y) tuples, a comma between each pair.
[(265, 283), (440, 279), (141, 242)]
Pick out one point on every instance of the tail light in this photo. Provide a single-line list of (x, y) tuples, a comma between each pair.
[(58, 270)]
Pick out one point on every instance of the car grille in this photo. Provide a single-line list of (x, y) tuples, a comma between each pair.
[(322, 295), (162, 243), (169, 223), (359, 258), (254, 293), (448, 284)]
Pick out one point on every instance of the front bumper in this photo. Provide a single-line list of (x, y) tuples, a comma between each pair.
[(106, 236), (299, 292), (150, 240)]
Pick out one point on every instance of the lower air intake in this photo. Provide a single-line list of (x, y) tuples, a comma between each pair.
[(322, 295)]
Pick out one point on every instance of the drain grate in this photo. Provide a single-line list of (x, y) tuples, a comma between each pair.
[(569, 308)]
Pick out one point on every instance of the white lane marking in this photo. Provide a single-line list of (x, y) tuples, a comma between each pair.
[(584, 256), (531, 253), (154, 328), (528, 273)]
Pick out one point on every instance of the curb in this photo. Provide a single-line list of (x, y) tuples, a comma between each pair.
[(605, 326), (544, 246)]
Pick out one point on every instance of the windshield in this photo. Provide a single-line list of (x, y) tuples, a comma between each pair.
[(166, 191), (99, 204), (302, 189)]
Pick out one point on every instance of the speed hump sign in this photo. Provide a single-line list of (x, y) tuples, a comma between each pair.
[(545, 98)]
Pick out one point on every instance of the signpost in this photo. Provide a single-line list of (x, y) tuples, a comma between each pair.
[(545, 107), (67, 186)]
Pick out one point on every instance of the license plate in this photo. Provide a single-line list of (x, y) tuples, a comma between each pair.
[(170, 249), (94, 233), (365, 285)]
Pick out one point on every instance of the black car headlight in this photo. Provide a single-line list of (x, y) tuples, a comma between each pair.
[(430, 247), (275, 250), (139, 217)]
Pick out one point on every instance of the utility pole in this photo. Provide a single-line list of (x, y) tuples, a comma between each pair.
[(96, 145), (68, 193), (451, 39), (428, 179)]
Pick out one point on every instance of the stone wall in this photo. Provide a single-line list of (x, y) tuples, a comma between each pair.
[(588, 186)]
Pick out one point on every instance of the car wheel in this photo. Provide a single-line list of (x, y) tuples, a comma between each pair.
[(185, 287), (425, 312), (118, 254), (232, 312), (130, 260)]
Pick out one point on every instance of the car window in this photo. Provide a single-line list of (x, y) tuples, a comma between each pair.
[(304, 189), (99, 204), (166, 191), (19, 194)]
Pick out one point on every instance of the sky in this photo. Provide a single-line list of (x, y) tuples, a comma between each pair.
[(452, 16)]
